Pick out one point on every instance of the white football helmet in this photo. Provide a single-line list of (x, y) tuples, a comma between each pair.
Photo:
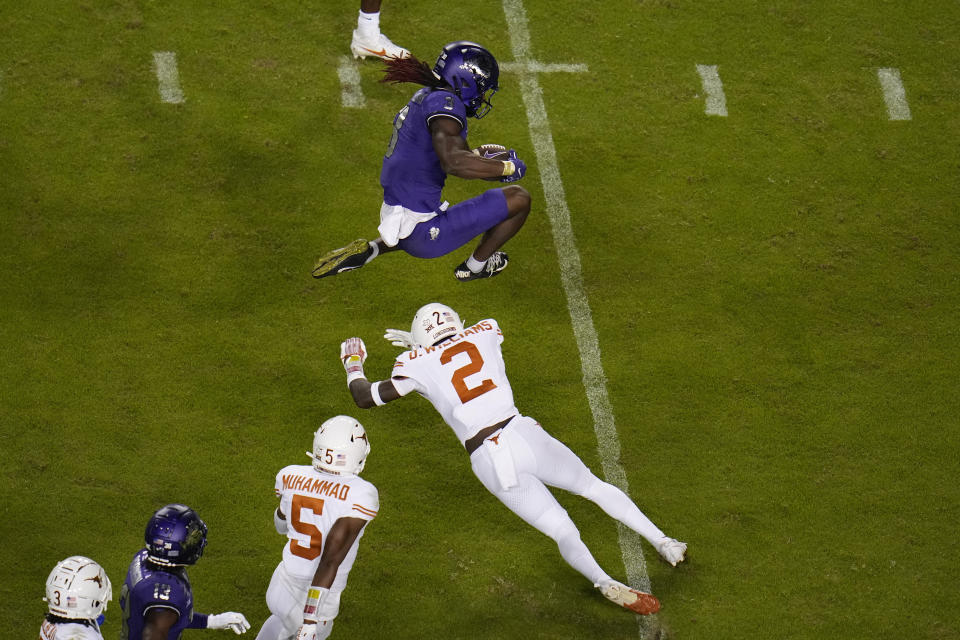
[(78, 588), (434, 322), (340, 446)]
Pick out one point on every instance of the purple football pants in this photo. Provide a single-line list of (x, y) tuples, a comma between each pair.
[(458, 225)]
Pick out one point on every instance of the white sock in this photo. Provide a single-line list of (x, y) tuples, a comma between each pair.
[(475, 265), (618, 505), (376, 251), (368, 25), (579, 557)]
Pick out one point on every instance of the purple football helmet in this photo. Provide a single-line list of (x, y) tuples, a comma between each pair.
[(472, 72), (175, 536)]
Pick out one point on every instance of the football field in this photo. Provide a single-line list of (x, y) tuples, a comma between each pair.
[(737, 295)]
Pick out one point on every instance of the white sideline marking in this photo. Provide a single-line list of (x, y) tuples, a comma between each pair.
[(713, 87), (594, 379), (351, 94), (894, 94), (165, 65)]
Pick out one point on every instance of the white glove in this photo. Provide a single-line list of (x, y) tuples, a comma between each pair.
[(353, 353), (400, 338), (353, 347), (307, 631), (229, 620)]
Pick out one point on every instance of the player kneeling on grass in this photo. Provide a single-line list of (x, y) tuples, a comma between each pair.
[(78, 591), (157, 598), (323, 511), (429, 142), (462, 373)]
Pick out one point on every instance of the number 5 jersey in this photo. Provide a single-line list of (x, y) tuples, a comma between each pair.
[(312, 502)]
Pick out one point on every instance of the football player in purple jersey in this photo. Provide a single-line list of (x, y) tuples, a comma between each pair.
[(429, 142), (156, 597)]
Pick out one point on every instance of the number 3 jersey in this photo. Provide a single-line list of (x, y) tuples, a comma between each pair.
[(148, 587), (463, 377), (312, 502), (68, 631)]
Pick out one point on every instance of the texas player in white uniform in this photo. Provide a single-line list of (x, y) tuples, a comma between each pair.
[(323, 511), (77, 594), (462, 373)]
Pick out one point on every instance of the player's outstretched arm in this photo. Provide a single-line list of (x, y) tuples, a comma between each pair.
[(353, 353)]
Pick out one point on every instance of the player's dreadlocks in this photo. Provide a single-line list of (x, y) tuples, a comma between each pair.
[(410, 70)]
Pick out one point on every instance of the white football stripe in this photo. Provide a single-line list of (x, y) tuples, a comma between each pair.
[(571, 276), (894, 94), (713, 87), (351, 93), (542, 67), (165, 66)]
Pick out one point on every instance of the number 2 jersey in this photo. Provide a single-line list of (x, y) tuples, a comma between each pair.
[(463, 377), (312, 502), (148, 587)]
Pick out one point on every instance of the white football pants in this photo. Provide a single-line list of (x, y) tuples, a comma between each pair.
[(516, 463), (286, 597)]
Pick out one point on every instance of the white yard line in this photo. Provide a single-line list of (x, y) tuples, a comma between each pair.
[(165, 66), (351, 94), (540, 67), (894, 94), (571, 276), (713, 87)]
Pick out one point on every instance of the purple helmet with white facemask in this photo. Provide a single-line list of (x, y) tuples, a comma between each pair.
[(472, 72)]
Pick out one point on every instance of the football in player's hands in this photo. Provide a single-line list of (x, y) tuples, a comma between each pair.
[(492, 151)]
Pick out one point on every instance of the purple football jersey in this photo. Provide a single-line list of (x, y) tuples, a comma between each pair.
[(148, 586), (411, 174)]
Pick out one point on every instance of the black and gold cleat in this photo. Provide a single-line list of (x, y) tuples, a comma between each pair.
[(352, 256)]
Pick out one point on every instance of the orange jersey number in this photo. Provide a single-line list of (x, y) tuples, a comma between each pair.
[(316, 537), (476, 363)]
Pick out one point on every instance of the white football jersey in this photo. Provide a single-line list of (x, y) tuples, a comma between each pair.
[(312, 501), (68, 631), (464, 378)]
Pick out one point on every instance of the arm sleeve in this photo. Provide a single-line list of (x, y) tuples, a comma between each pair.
[(497, 329), (366, 503), (402, 377), (444, 104), (199, 621), (278, 483), (404, 385)]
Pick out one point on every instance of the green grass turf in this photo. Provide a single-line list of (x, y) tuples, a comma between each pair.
[(775, 295)]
